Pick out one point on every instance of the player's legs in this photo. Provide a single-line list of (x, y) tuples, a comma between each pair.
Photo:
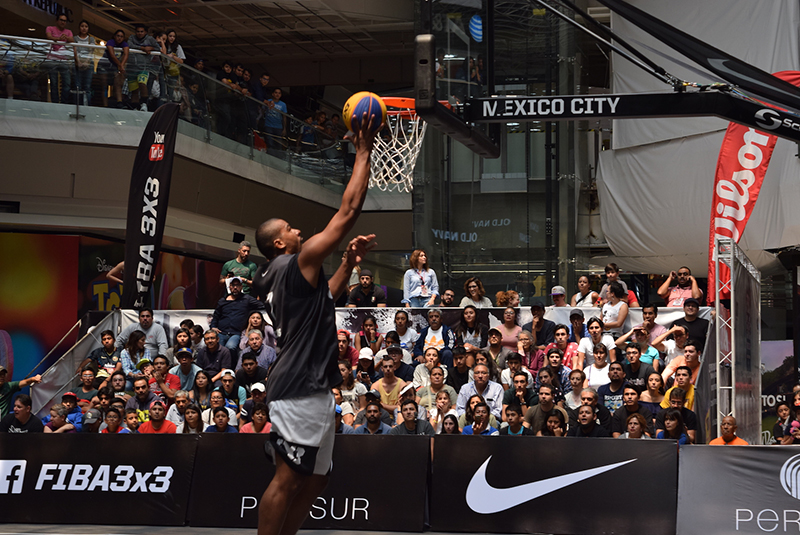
[(279, 498), (301, 505)]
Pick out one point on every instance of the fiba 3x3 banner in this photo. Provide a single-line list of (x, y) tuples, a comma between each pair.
[(147, 204)]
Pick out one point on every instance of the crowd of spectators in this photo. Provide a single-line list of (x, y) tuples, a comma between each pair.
[(241, 102)]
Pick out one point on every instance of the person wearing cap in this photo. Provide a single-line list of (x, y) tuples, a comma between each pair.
[(9, 388), (155, 339), (408, 392), (341, 427), (577, 326), (543, 330), (157, 422), (696, 327), (346, 351), (361, 416), (92, 421), (389, 385), (436, 335), (142, 399), (221, 418), (559, 296), (241, 267), (679, 287), (366, 294), (232, 314), (235, 395), (496, 349), (392, 338), (258, 394), (412, 425), (21, 421), (251, 372), (186, 369), (74, 414), (374, 424), (58, 420)]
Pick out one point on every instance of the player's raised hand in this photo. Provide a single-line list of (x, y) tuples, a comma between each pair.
[(358, 248)]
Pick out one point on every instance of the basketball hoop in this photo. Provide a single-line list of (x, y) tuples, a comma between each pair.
[(394, 155)]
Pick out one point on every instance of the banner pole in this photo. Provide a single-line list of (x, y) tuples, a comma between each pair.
[(51, 351)]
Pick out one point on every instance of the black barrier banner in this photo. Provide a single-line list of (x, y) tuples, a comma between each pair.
[(90, 479), (147, 204), (739, 489), (553, 485), (354, 499)]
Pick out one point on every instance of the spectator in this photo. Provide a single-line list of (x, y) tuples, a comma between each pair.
[(259, 424), (114, 65), (559, 296), (672, 349), (585, 297), (630, 405), (265, 355), (132, 420), (186, 368), (232, 315), (392, 339), (59, 61), (509, 328), (483, 357), (235, 395), (554, 426), (696, 327), (275, 121), (163, 383), (106, 357), (114, 423), (513, 415), (251, 373), (647, 353), (507, 299), (365, 372), (587, 345), (220, 419), (426, 395), (470, 333), (602, 415), (612, 275), (649, 314), (635, 427), (183, 339), (58, 420), (587, 425), (572, 399), (407, 335), (520, 394), (142, 399), (781, 431), (241, 267), (74, 414), (677, 401), (103, 399), (597, 372), (652, 397), (475, 294), (412, 425), (420, 286), (690, 359), (450, 425), (346, 351), (496, 350), (141, 65), (636, 372), (256, 321), (480, 422), (259, 395), (368, 336), (407, 393), (192, 422), (443, 407), (177, 410), (174, 51), (459, 373), (196, 333), (422, 373), (374, 425), (84, 62), (577, 328), (7, 389), (21, 421), (401, 369), (218, 400), (490, 391), (679, 287), (568, 350), (559, 372), (615, 311), (117, 385), (341, 427), (155, 337), (673, 427), (546, 377), (389, 386), (513, 367), (260, 93), (366, 294), (543, 330), (682, 380), (157, 422), (92, 421), (348, 413), (213, 358), (352, 391), (467, 417), (436, 335), (87, 391), (448, 298)]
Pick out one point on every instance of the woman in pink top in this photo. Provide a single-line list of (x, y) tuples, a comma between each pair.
[(259, 423), (509, 329)]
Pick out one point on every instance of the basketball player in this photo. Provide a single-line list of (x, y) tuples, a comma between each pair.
[(300, 302)]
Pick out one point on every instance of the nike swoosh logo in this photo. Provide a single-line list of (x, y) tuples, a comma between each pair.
[(264, 274), (486, 499)]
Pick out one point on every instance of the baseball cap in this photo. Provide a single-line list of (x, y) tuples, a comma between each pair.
[(233, 279), (158, 401), (365, 353), (394, 348), (558, 290), (227, 371), (184, 351), (91, 416), (691, 301), (258, 387), (69, 395), (3, 369), (365, 272), (537, 303), (374, 393), (406, 388), (141, 364), (576, 312), (494, 330)]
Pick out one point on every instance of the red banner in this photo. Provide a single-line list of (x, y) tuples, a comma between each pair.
[(741, 166)]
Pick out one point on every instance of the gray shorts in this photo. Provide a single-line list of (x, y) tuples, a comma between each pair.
[(303, 432)]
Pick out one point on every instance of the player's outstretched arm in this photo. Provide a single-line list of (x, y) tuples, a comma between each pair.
[(321, 245)]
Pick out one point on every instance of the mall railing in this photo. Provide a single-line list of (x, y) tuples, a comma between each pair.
[(83, 78)]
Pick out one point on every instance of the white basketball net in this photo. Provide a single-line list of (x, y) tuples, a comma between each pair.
[(394, 155)]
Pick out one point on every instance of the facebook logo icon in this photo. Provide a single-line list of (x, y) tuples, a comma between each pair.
[(12, 474)]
